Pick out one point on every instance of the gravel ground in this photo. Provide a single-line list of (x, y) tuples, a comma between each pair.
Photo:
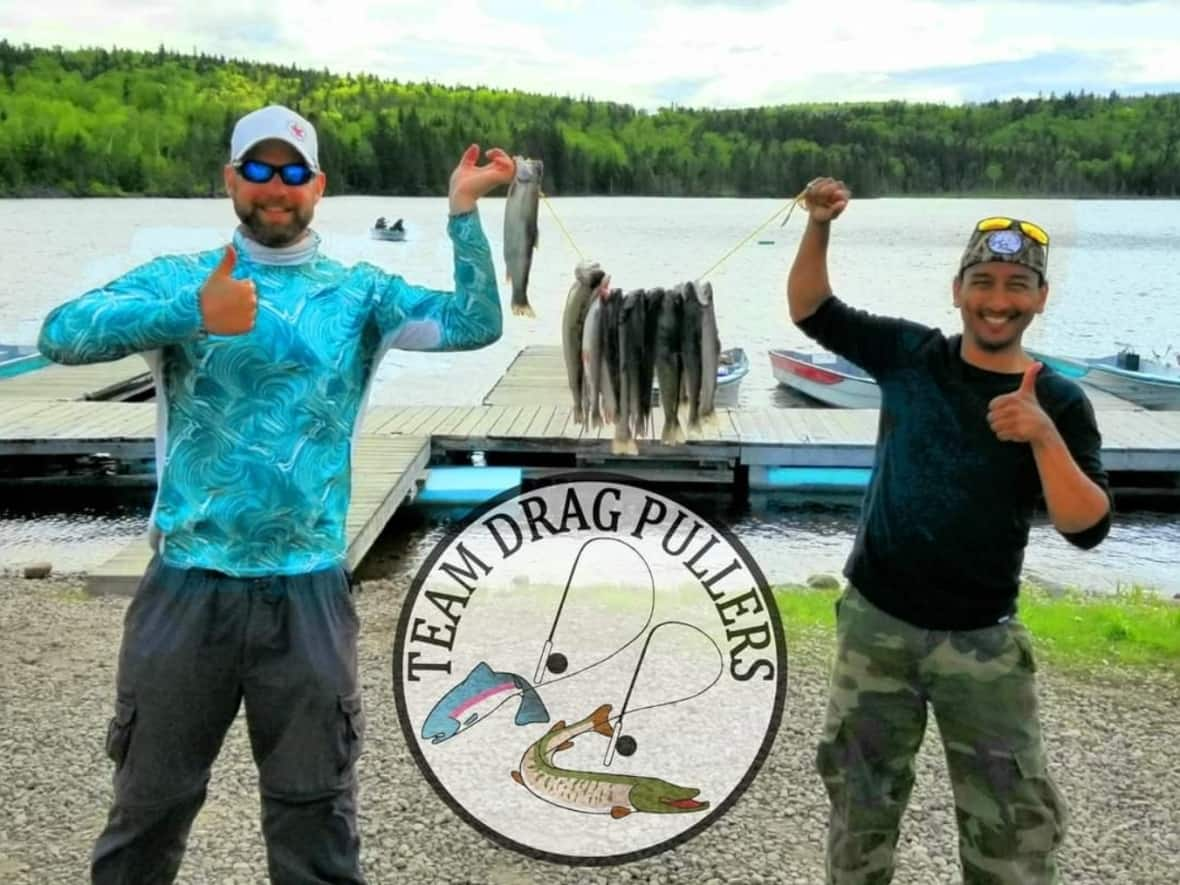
[(1113, 744)]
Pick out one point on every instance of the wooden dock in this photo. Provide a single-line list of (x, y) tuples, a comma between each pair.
[(1133, 441), (385, 471), (123, 379), (525, 420)]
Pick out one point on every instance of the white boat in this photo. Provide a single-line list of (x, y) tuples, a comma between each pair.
[(388, 234), (826, 377), (1148, 383), (16, 359)]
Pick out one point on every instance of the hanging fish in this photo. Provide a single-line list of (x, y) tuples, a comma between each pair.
[(690, 353), (593, 358), (587, 277), (710, 350), (669, 366), (520, 230)]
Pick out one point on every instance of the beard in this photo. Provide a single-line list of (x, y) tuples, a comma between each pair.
[(271, 233), (995, 339)]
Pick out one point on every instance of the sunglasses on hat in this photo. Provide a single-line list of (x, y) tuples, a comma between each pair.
[(1034, 232), (258, 172)]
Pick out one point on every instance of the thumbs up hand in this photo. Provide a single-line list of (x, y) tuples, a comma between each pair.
[(1018, 416), (228, 306)]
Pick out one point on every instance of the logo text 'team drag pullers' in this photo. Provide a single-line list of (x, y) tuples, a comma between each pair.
[(589, 673)]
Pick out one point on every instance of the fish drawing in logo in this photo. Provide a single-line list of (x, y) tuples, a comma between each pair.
[(478, 696), (594, 792)]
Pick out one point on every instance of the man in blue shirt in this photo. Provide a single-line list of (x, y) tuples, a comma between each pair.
[(263, 353)]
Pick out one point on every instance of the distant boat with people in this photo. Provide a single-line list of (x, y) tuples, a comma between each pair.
[(394, 233)]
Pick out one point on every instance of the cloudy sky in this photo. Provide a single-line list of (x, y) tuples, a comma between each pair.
[(696, 53)]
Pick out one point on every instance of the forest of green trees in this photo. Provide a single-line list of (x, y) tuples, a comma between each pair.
[(100, 122)]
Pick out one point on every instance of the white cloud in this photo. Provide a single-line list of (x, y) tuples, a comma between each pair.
[(694, 53)]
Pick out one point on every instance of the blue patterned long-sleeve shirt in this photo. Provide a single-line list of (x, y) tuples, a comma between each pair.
[(255, 431)]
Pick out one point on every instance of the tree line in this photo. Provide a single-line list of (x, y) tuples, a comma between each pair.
[(104, 122)]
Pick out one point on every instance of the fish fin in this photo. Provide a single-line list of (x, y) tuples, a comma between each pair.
[(557, 726), (516, 777), (601, 720), (618, 812), (532, 708), (564, 745)]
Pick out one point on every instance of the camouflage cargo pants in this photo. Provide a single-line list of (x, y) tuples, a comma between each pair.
[(980, 685)]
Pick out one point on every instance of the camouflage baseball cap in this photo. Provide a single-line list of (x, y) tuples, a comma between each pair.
[(1007, 239)]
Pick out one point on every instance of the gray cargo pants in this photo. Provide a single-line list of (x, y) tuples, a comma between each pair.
[(195, 645)]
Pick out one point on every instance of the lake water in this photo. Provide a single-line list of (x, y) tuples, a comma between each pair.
[(1114, 270)]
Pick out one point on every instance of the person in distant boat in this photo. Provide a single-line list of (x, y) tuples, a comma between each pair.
[(262, 353), (972, 433), (380, 225)]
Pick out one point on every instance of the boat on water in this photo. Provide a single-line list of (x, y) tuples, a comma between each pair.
[(16, 359), (826, 377), (732, 367), (392, 233), (388, 234), (1152, 384)]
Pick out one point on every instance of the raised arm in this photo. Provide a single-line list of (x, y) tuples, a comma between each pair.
[(807, 283), (417, 318)]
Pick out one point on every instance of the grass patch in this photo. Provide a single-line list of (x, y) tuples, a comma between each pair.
[(1132, 627)]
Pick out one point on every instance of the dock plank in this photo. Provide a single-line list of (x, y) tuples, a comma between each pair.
[(75, 382)]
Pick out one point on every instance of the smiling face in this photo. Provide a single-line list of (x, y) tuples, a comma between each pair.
[(997, 301), (274, 213)]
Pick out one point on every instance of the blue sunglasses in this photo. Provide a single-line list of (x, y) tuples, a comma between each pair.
[(292, 174)]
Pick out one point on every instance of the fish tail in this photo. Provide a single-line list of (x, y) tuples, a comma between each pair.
[(601, 720)]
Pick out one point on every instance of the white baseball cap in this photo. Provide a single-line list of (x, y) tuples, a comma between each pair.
[(275, 122)]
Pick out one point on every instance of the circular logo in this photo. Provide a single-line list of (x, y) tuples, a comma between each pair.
[(588, 672), (1005, 242)]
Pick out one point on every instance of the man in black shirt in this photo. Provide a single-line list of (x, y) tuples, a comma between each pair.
[(972, 433)]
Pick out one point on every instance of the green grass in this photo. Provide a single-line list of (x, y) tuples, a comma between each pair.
[(1130, 628)]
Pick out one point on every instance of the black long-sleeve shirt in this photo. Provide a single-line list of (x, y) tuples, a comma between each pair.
[(946, 516)]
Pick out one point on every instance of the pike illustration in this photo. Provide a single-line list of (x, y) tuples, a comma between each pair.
[(478, 696), (593, 792)]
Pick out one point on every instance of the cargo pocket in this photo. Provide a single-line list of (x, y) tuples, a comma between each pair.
[(1023, 641), (866, 797), (352, 732), (119, 731), (1037, 807)]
